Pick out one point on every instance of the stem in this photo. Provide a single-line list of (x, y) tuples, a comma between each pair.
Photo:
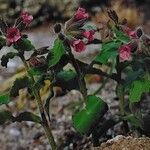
[(105, 81), (80, 74), (120, 89), (120, 94), (45, 124)]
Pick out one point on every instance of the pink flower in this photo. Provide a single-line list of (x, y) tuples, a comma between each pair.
[(78, 45), (89, 35), (13, 35), (130, 32), (26, 18), (125, 52), (81, 14)]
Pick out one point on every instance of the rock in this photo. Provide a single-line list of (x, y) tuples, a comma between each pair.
[(15, 132)]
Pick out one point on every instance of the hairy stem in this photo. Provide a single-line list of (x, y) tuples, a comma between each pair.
[(105, 81), (45, 124), (120, 94), (80, 74)]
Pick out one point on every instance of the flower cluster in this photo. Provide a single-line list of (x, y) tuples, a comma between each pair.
[(137, 38), (13, 34), (76, 34)]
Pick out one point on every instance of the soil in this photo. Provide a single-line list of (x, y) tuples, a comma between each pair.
[(126, 143)]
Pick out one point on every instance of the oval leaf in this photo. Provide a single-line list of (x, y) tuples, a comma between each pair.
[(84, 120), (4, 99), (55, 53)]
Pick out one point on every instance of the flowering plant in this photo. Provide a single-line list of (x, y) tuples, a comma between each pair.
[(125, 50)]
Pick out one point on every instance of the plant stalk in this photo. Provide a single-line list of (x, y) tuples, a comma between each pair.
[(45, 124), (80, 74)]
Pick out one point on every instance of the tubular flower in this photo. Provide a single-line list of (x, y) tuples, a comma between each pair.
[(131, 33), (89, 35), (78, 45), (13, 35), (81, 14), (125, 52), (26, 18)]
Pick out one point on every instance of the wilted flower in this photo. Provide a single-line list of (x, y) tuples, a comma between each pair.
[(125, 52), (78, 45), (89, 35), (13, 35), (26, 18), (81, 14)]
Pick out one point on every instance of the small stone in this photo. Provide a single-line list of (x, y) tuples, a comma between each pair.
[(14, 132)]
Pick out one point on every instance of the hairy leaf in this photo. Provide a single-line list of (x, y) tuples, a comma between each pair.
[(3, 26), (19, 83), (133, 120), (5, 58), (35, 71), (121, 36), (5, 116), (4, 99), (85, 120), (25, 116), (109, 50), (24, 45), (2, 42), (55, 53), (67, 80), (132, 76), (138, 87)]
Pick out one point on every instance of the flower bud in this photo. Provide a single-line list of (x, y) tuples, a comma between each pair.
[(57, 28), (139, 32)]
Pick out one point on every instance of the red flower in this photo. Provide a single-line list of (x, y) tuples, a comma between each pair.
[(78, 45), (125, 52), (89, 35), (26, 18), (13, 35), (81, 14)]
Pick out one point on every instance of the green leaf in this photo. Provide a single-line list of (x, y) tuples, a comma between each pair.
[(138, 87), (35, 71), (2, 42), (134, 121), (67, 80), (109, 50), (5, 116), (4, 99), (27, 116), (66, 75), (5, 58), (85, 120), (132, 76), (121, 36), (56, 53), (19, 83), (24, 45)]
